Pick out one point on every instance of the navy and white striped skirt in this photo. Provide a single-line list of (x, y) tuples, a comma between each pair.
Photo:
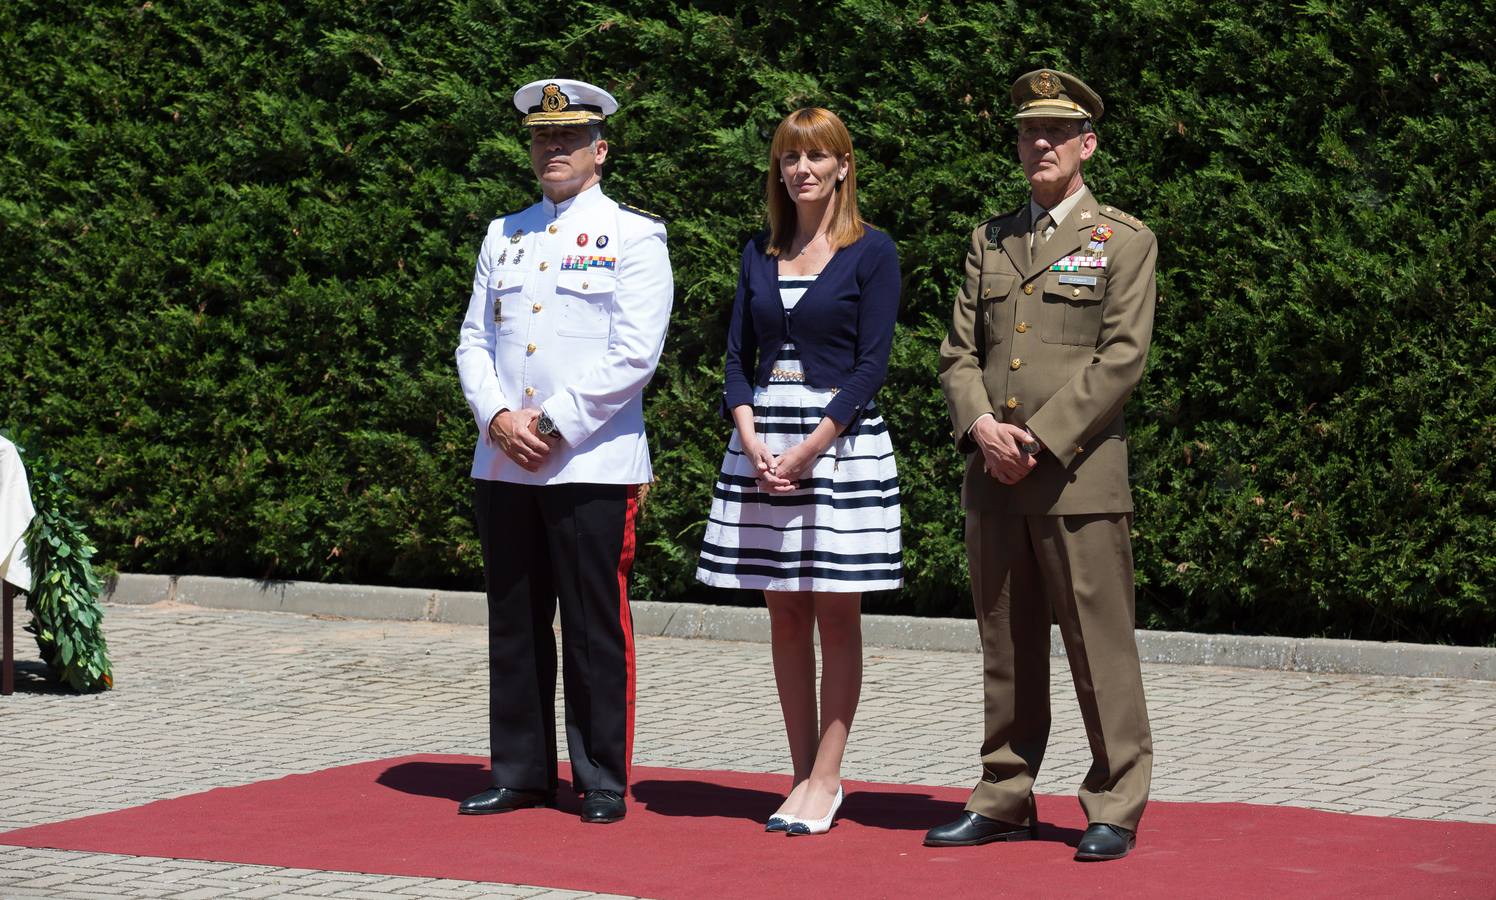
[(839, 531)]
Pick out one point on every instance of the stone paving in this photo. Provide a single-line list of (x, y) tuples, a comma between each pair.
[(211, 698)]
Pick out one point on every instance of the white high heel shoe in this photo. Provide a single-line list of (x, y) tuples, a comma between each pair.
[(816, 826)]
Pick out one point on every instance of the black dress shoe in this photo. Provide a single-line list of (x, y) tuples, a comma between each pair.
[(971, 829), (602, 807), (1102, 841), (502, 800)]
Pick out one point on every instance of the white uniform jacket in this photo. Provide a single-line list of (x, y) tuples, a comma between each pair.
[(568, 314)]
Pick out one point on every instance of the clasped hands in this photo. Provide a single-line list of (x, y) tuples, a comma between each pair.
[(1002, 458), (780, 474), (514, 432)]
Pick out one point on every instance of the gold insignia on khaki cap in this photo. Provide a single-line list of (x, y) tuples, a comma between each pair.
[(1045, 84), (1056, 95), (563, 101)]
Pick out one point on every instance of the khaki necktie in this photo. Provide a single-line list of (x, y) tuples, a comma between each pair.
[(1042, 228)]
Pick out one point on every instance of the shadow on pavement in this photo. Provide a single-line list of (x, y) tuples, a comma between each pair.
[(33, 677)]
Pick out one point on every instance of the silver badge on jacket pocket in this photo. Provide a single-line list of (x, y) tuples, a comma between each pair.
[(1088, 280)]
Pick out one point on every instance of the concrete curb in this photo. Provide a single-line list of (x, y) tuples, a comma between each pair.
[(734, 623)]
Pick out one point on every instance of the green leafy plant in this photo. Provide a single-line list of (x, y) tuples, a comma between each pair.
[(64, 599)]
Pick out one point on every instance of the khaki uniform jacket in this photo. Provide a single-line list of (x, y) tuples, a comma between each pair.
[(1057, 351)]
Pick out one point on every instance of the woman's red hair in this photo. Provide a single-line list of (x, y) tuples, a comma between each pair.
[(813, 128)]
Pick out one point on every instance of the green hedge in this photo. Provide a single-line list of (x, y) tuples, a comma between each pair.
[(236, 240)]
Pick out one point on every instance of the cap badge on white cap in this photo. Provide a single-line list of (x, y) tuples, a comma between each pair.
[(552, 99)]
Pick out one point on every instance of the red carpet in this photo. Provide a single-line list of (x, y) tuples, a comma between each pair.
[(696, 834)]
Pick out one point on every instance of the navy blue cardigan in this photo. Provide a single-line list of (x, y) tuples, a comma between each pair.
[(843, 326)]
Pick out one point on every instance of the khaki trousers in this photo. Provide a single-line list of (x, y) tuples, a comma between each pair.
[(1079, 569)]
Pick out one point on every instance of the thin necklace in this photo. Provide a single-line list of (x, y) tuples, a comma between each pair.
[(820, 235)]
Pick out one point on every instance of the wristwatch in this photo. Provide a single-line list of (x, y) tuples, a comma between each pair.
[(545, 425)]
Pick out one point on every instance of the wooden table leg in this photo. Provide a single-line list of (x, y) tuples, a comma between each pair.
[(8, 666)]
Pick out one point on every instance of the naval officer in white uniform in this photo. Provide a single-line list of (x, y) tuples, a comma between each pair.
[(570, 302)]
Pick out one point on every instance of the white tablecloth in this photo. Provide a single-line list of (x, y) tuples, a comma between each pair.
[(16, 513)]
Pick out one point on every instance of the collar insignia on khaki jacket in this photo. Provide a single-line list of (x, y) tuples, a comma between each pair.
[(1000, 227)]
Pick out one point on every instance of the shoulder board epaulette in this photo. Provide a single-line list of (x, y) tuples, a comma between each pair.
[(995, 225), (1117, 215), (640, 212)]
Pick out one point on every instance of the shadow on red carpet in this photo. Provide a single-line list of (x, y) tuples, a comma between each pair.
[(698, 834)]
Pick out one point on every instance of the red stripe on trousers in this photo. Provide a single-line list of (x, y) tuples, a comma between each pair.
[(626, 621)]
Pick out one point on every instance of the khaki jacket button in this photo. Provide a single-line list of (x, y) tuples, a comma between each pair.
[(1028, 288), (1022, 327), (1012, 403), (1015, 363), (1075, 292)]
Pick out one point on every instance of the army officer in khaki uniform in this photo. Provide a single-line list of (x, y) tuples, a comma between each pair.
[(1049, 336)]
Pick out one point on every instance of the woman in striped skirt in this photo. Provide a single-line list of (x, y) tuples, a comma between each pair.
[(806, 508)]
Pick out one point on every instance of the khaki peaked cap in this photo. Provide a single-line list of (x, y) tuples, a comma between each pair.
[(1057, 95)]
